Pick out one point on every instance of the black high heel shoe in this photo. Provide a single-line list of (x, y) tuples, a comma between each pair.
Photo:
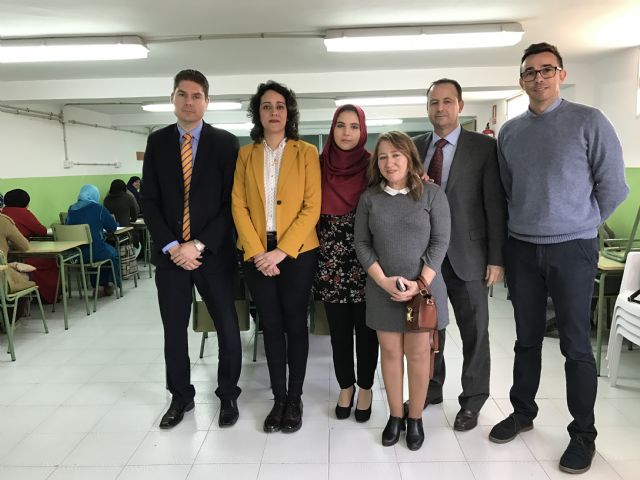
[(415, 433), (345, 412), (391, 433), (364, 415)]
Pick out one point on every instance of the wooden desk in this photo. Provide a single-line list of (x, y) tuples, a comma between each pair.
[(606, 267), (146, 246), (61, 251)]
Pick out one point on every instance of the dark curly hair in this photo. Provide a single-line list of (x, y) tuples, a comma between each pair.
[(293, 114), (403, 143)]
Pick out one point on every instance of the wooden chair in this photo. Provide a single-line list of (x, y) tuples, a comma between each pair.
[(11, 299), (91, 266)]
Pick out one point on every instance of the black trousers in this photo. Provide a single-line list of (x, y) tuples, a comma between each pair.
[(282, 303), (175, 297), (471, 307), (565, 271), (343, 318)]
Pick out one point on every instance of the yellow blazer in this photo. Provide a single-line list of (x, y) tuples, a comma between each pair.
[(298, 198)]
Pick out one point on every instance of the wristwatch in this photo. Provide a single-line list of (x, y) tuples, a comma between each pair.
[(199, 245)]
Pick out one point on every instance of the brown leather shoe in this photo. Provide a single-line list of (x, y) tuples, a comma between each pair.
[(465, 420)]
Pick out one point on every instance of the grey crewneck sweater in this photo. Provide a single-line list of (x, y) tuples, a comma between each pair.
[(562, 171)]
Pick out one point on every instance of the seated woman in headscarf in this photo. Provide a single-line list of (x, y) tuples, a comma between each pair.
[(133, 186), (46, 273), (88, 210)]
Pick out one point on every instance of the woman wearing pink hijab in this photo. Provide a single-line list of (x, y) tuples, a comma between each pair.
[(340, 279)]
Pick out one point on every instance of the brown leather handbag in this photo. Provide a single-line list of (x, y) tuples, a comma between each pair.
[(421, 315)]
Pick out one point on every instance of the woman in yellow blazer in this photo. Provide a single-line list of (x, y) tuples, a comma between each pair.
[(276, 205)]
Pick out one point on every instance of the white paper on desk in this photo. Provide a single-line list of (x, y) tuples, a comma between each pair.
[(119, 228)]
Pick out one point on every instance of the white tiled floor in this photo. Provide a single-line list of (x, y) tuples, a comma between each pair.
[(85, 404)]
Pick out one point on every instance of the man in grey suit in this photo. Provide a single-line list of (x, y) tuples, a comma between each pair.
[(465, 164)]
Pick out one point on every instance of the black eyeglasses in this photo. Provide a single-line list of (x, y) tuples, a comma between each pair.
[(545, 72)]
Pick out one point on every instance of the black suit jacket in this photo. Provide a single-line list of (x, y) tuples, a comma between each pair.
[(210, 197), (477, 203)]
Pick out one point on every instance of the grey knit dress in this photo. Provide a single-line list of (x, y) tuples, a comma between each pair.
[(402, 235)]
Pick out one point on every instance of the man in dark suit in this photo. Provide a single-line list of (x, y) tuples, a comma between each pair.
[(465, 164), (188, 175)]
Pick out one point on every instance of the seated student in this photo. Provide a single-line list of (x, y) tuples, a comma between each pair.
[(46, 273), (122, 204), (12, 239), (133, 186), (88, 210)]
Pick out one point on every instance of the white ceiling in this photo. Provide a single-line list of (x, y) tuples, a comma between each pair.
[(582, 29)]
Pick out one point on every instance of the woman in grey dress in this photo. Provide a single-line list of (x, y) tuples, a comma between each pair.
[(401, 232)]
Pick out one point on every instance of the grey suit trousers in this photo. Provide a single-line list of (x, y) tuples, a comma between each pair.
[(471, 308)]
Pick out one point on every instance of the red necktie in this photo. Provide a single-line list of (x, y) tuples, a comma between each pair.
[(435, 166), (187, 167)]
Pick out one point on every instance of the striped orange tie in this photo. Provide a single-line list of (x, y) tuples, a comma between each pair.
[(186, 154)]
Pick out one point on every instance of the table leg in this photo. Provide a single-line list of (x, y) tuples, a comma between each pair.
[(63, 282), (600, 320)]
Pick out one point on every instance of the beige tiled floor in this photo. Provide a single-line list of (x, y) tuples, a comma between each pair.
[(85, 404)]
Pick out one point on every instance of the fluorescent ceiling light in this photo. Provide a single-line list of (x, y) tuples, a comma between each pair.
[(379, 122), (471, 95), (479, 95), (435, 37), (168, 107), (72, 49), (378, 101), (234, 126)]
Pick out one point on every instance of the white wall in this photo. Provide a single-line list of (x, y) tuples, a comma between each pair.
[(34, 147), (615, 94)]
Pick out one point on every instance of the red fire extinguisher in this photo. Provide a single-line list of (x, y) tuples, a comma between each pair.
[(487, 131)]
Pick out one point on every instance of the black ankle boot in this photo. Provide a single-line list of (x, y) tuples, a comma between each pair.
[(415, 433), (391, 433)]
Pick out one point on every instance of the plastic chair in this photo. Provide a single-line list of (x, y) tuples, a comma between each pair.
[(626, 315), (12, 299), (91, 267)]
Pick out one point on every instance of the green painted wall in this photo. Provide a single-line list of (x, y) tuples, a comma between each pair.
[(52, 195), (622, 219)]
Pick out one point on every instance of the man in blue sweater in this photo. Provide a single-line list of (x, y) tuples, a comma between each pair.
[(563, 173)]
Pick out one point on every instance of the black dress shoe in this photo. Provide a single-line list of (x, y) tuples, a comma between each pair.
[(391, 433), (432, 400), (292, 418), (228, 413), (465, 420), (175, 413), (344, 412), (273, 422), (415, 433), (428, 401), (363, 415)]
